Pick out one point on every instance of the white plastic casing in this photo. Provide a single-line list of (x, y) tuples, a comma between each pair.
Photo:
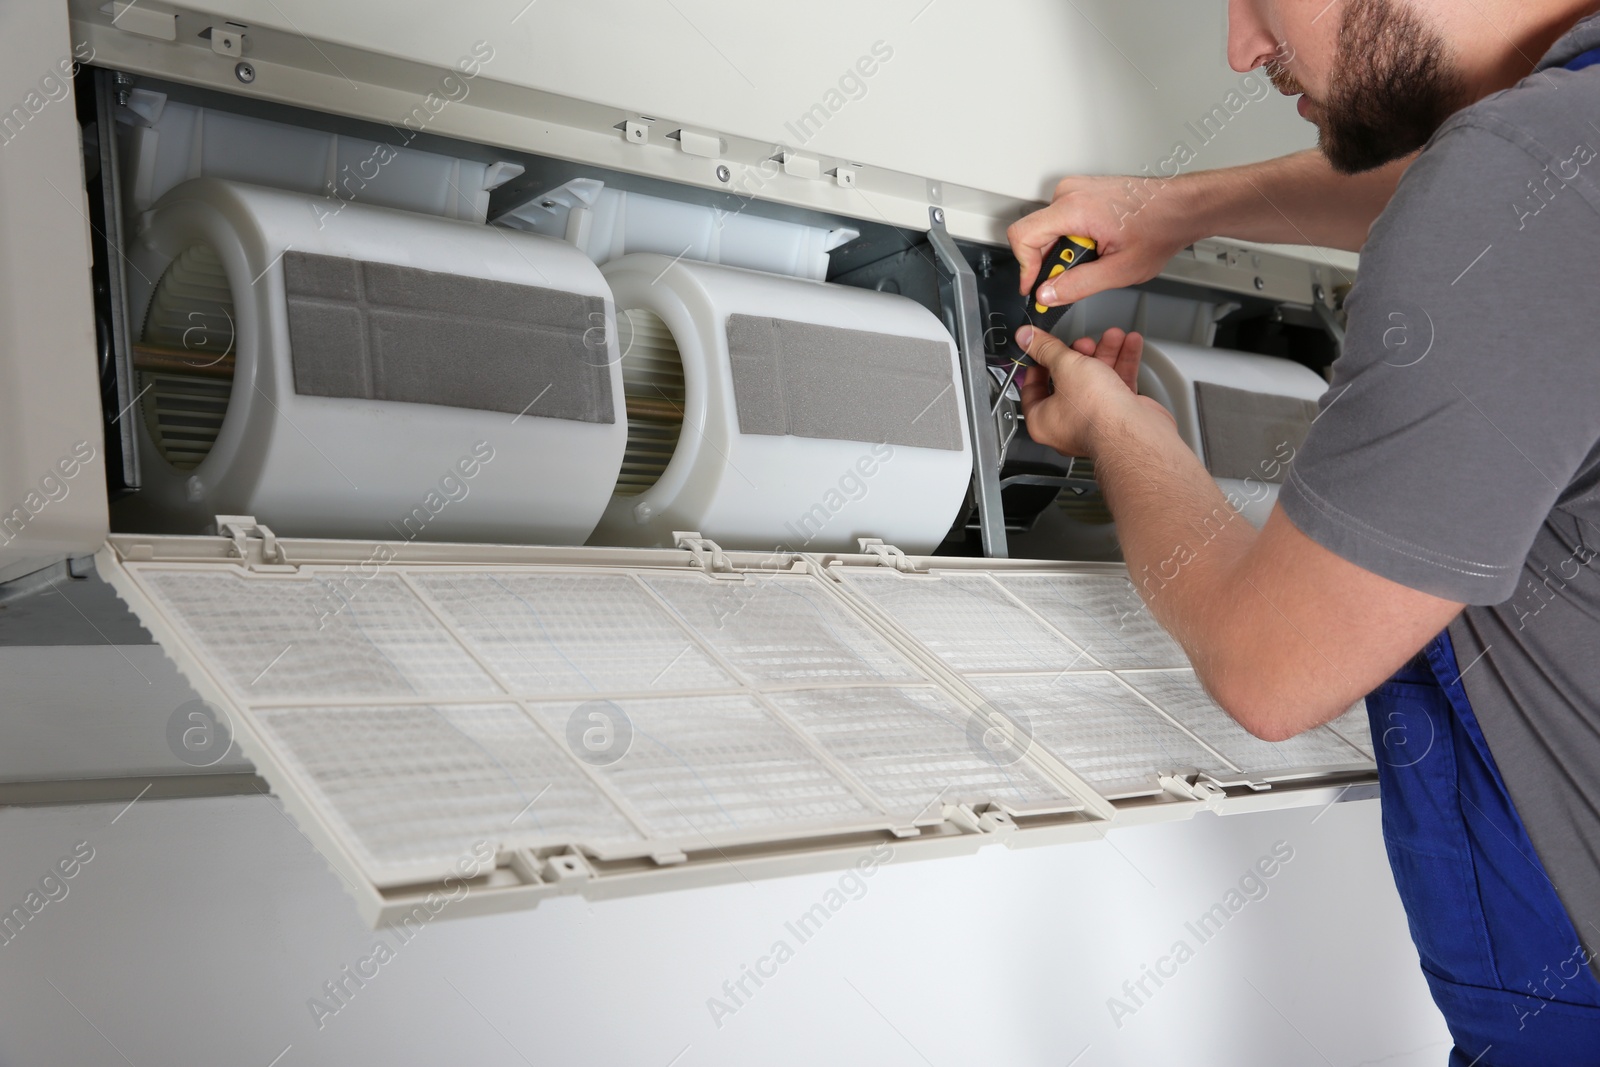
[(610, 223), (52, 452), (336, 467), (183, 142), (750, 490), (1169, 372)]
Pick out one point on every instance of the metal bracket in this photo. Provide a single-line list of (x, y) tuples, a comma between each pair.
[(256, 544), (226, 39), (888, 555), (708, 555), (106, 92), (975, 376), (1078, 486)]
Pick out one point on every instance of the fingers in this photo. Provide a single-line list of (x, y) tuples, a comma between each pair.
[(1084, 281), (1029, 243), (1035, 389), (1127, 365), (1034, 235), (1110, 346), (1046, 350), (1119, 350)]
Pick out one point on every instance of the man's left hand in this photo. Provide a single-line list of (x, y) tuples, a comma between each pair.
[(1077, 389)]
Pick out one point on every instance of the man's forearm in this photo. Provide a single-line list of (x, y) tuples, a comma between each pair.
[(1179, 535), (1298, 199)]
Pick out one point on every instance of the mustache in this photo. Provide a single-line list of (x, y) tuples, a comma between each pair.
[(1282, 80)]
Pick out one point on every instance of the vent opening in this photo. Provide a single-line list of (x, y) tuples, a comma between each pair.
[(185, 357), (652, 385)]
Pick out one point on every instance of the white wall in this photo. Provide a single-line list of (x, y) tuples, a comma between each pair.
[(200, 929), (1003, 96)]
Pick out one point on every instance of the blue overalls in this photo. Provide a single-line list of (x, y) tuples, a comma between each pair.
[(1499, 952)]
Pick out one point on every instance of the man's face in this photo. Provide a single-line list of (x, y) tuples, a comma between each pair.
[(1377, 83)]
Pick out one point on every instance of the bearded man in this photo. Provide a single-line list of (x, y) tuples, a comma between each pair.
[(1433, 547)]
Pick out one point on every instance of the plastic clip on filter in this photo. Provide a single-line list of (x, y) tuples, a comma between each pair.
[(383, 374)]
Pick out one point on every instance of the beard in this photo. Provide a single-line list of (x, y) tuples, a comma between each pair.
[(1394, 84)]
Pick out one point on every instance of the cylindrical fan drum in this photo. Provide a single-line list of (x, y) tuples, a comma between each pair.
[(774, 412), (339, 370)]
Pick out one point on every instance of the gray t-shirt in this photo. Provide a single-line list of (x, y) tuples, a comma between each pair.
[(1458, 447)]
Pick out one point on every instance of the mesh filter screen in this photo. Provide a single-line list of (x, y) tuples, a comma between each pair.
[(1250, 435), (1102, 614), (421, 710), (415, 787), (1179, 694), (379, 331), (782, 630), (702, 766), (807, 380), (1101, 729), (316, 638), (1356, 728), (968, 622), (916, 749), (550, 633)]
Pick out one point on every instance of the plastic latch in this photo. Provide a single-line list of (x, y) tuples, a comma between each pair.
[(962, 817), (708, 555), (246, 534), (995, 821), (566, 868), (1205, 789), (888, 555), (991, 820)]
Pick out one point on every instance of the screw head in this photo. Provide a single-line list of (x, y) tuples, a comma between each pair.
[(1261, 283), (723, 173), (938, 215), (244, 72)]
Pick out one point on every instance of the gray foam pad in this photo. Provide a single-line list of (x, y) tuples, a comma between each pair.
[(1245, 434), (377, 331), (805, 380)]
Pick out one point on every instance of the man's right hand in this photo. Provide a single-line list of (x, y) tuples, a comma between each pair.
[(1136, 237), (1298, 199)]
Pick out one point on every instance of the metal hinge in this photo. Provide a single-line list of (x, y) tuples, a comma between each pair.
[(256, 544), (708, 555), (888, 555)]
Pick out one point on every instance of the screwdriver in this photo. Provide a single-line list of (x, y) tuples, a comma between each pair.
[(1068, 252)]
